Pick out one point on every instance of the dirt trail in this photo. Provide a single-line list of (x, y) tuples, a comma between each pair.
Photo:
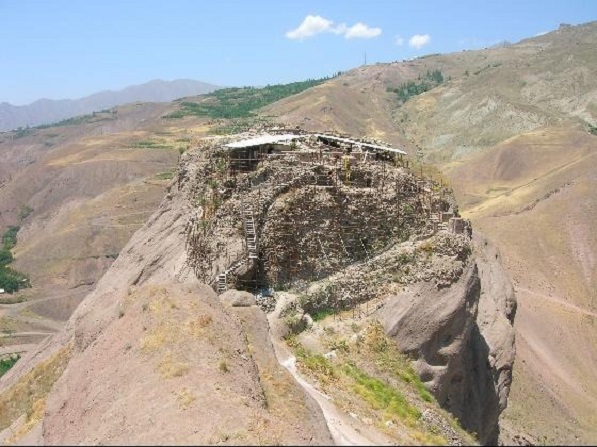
[(345, 429), (560, 302)]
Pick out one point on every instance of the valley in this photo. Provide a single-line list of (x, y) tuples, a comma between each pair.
[(128, 216)]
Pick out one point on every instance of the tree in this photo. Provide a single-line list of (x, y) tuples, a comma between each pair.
[(5, 257)]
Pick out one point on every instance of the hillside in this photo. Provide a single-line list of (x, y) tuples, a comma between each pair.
[(78, 192), (534, 198), (511, 130), (150, 350), (46, 111)]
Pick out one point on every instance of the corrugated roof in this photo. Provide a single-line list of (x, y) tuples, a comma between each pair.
[(263, 139), (360, 143), (383, 148), (270, 139)]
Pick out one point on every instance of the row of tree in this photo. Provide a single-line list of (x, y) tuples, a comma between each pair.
[(10, 280), (424, 83), (242, 102)]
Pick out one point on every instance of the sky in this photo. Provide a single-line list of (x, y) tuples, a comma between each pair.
[(67, 49)]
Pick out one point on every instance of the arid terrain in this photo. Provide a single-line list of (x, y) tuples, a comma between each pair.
[(78, 193), (512, 131)]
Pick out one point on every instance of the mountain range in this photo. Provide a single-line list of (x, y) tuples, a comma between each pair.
[(46, 111), (511, 129)]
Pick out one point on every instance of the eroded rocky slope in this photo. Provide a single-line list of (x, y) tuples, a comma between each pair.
[(153, 354)]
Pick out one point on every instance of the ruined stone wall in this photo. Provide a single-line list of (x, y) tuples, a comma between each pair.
[(311, 218)]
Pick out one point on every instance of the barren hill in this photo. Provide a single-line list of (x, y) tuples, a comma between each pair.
[(78, 191), (534, 196), (152, 354), (530, 109)]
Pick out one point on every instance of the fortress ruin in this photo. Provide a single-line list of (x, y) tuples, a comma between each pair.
[(286, 210)]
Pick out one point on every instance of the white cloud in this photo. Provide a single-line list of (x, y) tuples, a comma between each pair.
[(419, 40), (340, 29), (360, 30), (313, 25), (541, 33), (398, 40)]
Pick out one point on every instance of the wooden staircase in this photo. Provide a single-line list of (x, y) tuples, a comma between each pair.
[(252, 251), (250, 233), (222, 281)]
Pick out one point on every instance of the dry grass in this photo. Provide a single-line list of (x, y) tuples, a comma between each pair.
[(28, 313), (223, 365), (265, 432), (163, 335), (28, 395), (32, 419), (171, 324), (8, 325), (198, 327), (185, 398), (169, 367), (370, 378)]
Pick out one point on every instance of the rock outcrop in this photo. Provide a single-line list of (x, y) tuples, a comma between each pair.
[(462, 339), (157, 358)]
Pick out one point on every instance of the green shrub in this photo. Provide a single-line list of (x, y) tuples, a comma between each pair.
[(25, 211), (9, 238), (425, 83), (5, 257), (7, 363)]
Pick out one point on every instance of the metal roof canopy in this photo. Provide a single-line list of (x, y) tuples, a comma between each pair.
[(270, 139), (261, 140), (360, 143)]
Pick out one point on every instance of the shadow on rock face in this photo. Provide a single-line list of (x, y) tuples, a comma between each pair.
[(462, 343)]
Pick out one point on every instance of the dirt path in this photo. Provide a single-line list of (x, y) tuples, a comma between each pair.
[(345, 429), (342, 427), (560, 302)]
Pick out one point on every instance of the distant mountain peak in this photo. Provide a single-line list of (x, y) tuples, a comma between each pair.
[(44, 111)]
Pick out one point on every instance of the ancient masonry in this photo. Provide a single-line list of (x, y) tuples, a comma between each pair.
[(283, 210)]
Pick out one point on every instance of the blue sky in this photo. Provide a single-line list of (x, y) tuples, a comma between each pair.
[(68, 49)]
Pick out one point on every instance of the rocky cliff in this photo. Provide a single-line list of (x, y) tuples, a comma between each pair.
[(462, 339), (153, 355)]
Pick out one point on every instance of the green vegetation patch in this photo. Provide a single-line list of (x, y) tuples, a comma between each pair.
[(241, 102), (10, 280), (22, 132), (167, 175), (7, 363), (377, 394), (382, 396), (387, 357), (371, 377), (150, 144), (424, 83), (102, 115)]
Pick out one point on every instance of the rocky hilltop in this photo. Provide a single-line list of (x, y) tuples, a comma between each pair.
[(514, 131), (329, 235)]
